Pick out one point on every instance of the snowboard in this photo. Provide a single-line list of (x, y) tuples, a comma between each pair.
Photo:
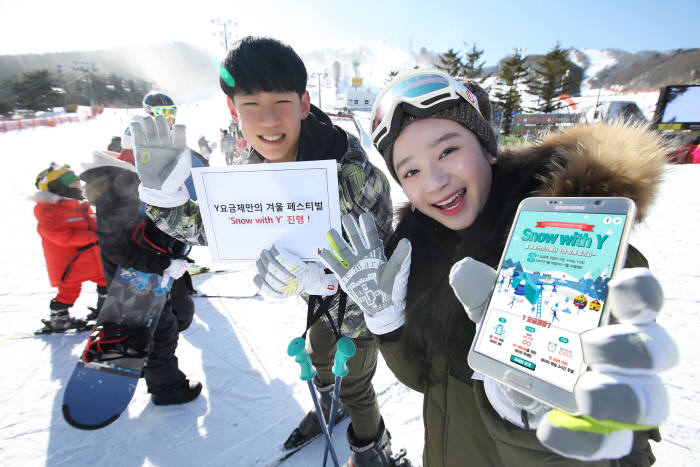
[(105, 378)]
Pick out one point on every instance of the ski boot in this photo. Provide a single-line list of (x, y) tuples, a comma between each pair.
[(110, 341), (309, 427), (375, 452), (101, 297), (60, 320)]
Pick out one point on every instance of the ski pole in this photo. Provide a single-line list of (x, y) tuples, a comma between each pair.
[(297, 349), (345, 350)]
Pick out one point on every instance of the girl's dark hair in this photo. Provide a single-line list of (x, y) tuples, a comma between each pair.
[(262, 64)]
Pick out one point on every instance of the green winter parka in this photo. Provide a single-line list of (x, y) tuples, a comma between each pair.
[(429, 353)]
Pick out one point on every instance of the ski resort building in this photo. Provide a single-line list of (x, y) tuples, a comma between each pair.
[(360, 99)]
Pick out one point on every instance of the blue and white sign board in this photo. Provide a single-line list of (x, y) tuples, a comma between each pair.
[(247, 208)]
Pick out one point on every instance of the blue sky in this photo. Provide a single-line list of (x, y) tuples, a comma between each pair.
[(496, 27)]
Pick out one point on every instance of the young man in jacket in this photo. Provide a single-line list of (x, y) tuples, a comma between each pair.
[(266, 82)]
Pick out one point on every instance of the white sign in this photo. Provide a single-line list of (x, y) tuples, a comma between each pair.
[(246, 208)]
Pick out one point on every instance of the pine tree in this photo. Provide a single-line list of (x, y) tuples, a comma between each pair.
[(471, 68), (511, 73), (553, 77), (450, 62), (34, 91)]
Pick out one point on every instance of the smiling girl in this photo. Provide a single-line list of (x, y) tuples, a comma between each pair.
[(435, 136)]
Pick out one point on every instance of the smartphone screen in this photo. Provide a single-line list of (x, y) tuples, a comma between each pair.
[(551, 287)]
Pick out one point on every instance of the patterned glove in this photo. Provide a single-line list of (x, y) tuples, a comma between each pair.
[(376, 285), (620, 392), (163, 162), (283, 274)]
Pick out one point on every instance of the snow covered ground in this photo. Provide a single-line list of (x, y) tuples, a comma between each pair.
[(252, 396)]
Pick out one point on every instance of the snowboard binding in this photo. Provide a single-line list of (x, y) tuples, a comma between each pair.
[(110, 341), (62, 324)]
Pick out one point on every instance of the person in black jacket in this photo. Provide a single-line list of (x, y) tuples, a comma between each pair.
[(115, 145), (112, 187)]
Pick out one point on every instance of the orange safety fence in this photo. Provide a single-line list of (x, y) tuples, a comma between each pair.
[(11, 124)]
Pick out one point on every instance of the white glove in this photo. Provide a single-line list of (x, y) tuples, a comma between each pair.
[(163, 162), (472, 282), (376, 285), (283, 274), (621, 391), (175, 271)]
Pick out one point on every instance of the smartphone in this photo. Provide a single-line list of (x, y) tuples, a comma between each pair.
[(552, 286)]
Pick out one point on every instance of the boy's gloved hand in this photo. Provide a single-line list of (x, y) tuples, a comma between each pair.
[(621, 390), (376, 285), (177, 268), (163, 162), (283, 274)]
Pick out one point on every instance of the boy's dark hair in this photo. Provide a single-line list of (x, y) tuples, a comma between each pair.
[(262, 64)]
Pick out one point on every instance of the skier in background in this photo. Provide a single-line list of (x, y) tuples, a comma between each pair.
[(228, 146), (115, 145), (67, 227), (204, 148)]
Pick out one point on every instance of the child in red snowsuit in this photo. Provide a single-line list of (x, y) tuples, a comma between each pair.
[(67, 228)]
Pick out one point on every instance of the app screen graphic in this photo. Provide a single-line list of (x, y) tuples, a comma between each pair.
[(551, 287)]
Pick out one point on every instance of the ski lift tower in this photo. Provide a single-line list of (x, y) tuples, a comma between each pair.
[(224, 34), (319, 74)]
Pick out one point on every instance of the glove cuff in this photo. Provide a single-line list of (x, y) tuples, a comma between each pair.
[(327, 285), (583, 445), (163, 199), (389, 319), (508, 409)]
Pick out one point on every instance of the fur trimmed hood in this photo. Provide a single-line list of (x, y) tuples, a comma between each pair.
[(593, 160), (48, 197)]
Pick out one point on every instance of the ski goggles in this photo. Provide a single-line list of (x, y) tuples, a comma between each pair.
[(167, 111), (68, 178), (421, 93)]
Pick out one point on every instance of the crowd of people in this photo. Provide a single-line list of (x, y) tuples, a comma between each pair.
[(435, 136)]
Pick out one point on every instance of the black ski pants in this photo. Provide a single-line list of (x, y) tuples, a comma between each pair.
[(161, 372)]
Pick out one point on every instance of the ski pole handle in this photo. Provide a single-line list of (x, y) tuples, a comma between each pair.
[(345, 350), (297, 349)]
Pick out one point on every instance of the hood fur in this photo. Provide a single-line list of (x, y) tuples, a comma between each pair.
[(46, 197), (107, 159), (594, 160), (590, 160)]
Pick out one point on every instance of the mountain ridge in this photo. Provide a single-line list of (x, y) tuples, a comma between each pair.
[(189, 73)]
